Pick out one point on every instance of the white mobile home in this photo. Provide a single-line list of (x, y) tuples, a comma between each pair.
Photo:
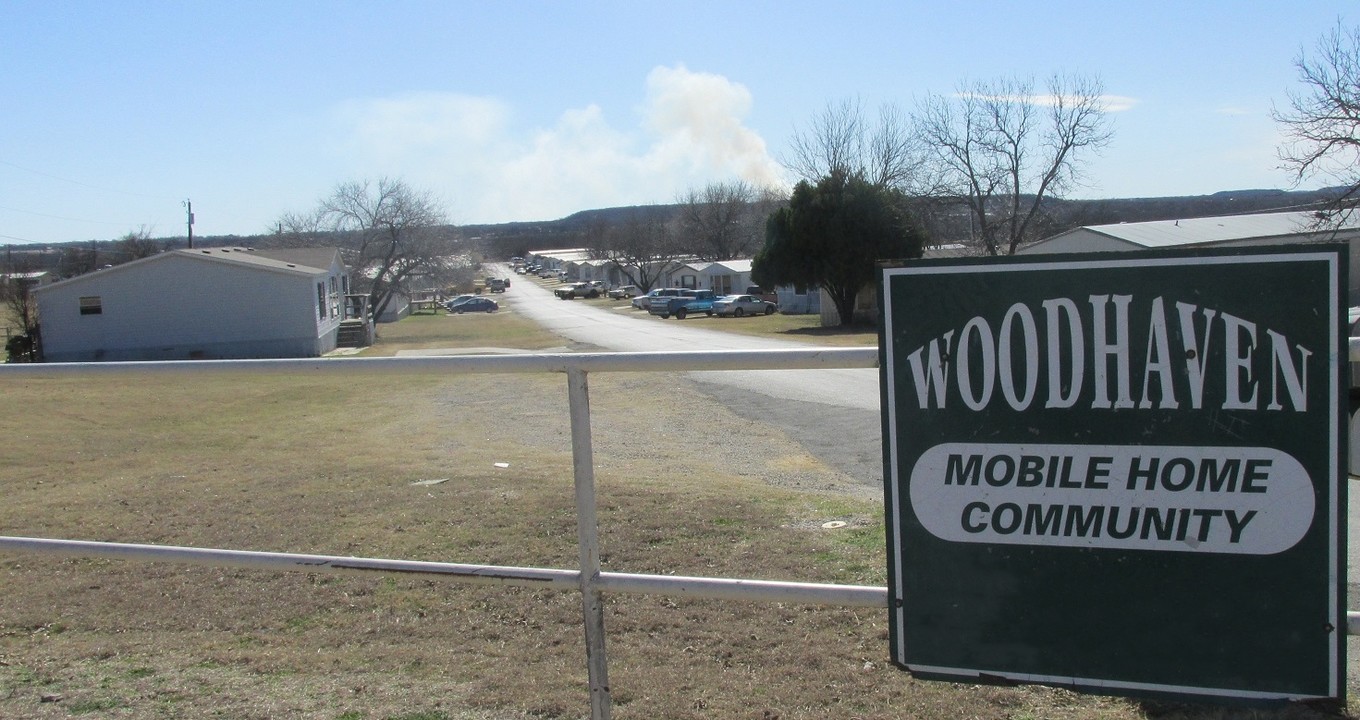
[(200, 303), (1208, 232), (568, 259), (724, 278)]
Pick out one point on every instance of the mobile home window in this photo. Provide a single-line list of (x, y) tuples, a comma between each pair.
[(92, 305), (321, 301)]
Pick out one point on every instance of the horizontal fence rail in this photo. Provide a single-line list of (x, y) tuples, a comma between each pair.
[(590, 580), (792, 359), (674, 585)]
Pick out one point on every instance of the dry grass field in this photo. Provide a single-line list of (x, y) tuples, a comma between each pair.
[(800, 328), (330, 465)]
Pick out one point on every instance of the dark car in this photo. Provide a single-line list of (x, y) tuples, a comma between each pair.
[(474, 304), (451, 302)]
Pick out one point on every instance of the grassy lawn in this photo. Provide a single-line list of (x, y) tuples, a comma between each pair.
[(802, 328), (470, 330), (337, 465)]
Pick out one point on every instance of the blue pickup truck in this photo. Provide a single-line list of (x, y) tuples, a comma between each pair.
[(688, 302)]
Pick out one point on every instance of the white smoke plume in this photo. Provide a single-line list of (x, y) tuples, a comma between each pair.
[(690, 132)]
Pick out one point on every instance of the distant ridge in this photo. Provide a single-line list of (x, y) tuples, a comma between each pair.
[(947, 224), (508, 239)]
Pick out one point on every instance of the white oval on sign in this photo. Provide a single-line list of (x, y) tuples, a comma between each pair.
[(1248, 501)]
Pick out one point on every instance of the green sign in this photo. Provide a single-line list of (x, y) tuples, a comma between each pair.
[(1119, 472)]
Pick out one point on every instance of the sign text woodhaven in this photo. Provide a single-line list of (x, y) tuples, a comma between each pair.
[(1051, 339), (1087, 458)]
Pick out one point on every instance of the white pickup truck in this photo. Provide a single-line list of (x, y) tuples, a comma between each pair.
[(577, 290)]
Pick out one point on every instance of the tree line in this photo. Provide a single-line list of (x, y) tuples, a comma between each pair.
[(870, 187)]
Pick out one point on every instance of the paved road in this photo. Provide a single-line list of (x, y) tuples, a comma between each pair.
[(833, 413), (617, 326)]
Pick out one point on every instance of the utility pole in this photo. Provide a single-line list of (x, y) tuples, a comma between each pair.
[(189, 208)]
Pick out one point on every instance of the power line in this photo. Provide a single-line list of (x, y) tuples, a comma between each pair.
[(81, 184), (59, 217)]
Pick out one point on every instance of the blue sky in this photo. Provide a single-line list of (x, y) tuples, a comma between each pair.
[(113, 113)]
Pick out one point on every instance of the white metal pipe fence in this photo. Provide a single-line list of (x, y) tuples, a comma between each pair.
[(588, 578), (612, 582)]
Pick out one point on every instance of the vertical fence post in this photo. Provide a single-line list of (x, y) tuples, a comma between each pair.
[(588, 542)]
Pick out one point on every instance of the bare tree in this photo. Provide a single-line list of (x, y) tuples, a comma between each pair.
[(643, 246), (77, 260), (1001, 150), (395, 233), (16, 283), (1322, 123), (723, 220), (768, 201), (886, 152), (301, 229), (135, 245)]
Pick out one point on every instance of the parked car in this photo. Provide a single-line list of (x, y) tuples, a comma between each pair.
[(577, 290), (624, 291), (496, 285), (757, 291), (688, 302), (448, 304), (738, 305), (476, 304), (644, 302)]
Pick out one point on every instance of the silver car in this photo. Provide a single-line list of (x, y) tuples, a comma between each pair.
[(738, 305)]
